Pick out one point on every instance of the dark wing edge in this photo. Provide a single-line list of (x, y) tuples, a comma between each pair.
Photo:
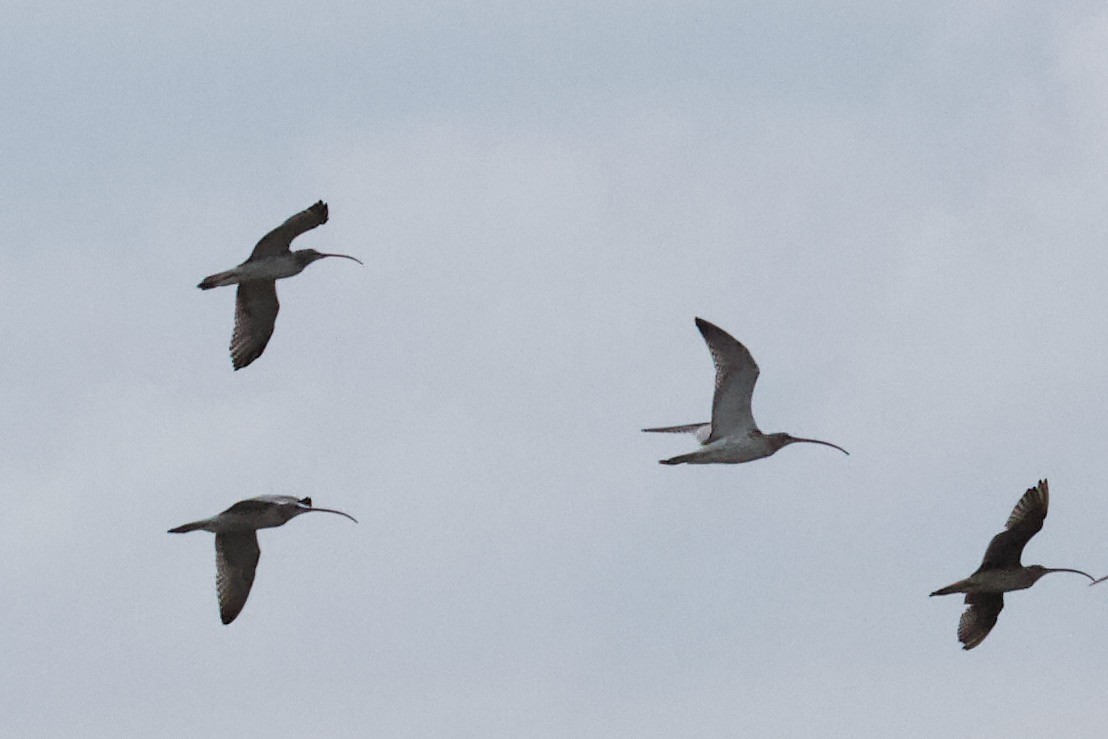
[(256, 308), (1006, 548), (736, 375), (236, 559), (279, 239), (978, 620), (1031, 510)]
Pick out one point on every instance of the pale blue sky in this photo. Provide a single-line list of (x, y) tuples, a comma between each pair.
[(899, 208)]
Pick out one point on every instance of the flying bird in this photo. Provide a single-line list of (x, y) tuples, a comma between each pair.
[(1001, 572), (256, 304), (731, 436), (236, 542)]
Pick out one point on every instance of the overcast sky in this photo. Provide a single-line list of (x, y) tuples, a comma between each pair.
[(898, 207)]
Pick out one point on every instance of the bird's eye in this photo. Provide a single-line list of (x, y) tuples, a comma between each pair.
[(306, 501)]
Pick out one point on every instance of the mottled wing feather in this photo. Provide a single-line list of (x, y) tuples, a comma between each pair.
[(1026, 520), (1030, 512), (236, 558), (978, 620), (256, 309), (279, 239), (736, 373)]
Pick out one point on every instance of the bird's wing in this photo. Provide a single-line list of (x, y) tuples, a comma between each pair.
[(278, 240), (736, 373), (978, 620), (1026, 520), (256, 309), (236, 558), (250, 505)]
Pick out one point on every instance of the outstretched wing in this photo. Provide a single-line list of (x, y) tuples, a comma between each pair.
[(236, 558), (736, 373), (978, 620), (278, 240), (1026, 520), (256, 309)]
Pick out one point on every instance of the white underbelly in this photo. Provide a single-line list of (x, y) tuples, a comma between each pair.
[(730, 450)]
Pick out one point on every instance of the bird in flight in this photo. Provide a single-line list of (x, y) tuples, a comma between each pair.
[(256, 303), (1001, 572), (236, 542), (731, 436)]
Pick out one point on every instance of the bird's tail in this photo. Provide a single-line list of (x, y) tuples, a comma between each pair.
[(689, 428), (218, 280), (194, 526), (951, 589)]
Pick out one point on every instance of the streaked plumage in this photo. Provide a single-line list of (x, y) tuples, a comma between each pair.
[(1000, 571), (256, 302), (236, 542), (732, 436)]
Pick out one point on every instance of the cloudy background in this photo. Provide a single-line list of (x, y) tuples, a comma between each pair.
[(899, 208)]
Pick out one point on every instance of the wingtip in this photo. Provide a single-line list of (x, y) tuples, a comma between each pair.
[(710, 330)]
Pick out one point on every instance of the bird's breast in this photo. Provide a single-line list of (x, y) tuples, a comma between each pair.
[(735, 449)]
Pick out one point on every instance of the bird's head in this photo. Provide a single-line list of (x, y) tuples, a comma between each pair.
[(304, 505), (307, 256), (782, 439)]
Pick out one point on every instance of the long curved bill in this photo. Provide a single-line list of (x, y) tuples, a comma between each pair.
[(1076, 572), (825, 443), (1079, 572), (330, 510), (344, 256)]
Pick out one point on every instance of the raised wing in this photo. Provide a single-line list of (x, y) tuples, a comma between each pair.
[(278, 240), (1026, 520), (236, 558), (256, 309), (978, 620), (736, 373)]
